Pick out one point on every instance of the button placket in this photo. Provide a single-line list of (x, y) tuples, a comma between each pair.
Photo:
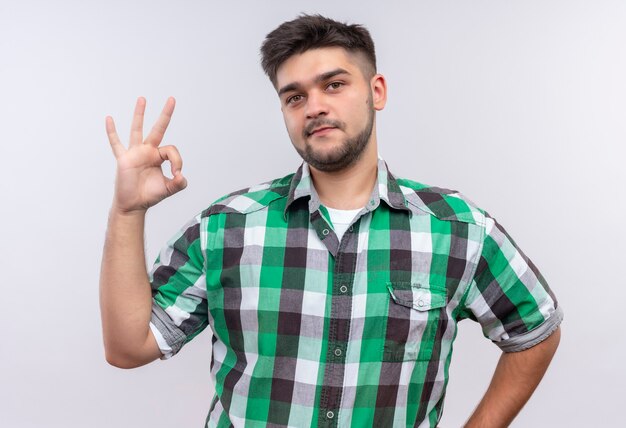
[(337, 338)]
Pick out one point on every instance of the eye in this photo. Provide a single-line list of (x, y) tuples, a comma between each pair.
[(335, 85), (293, 99)]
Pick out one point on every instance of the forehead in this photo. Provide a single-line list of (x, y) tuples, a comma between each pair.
[(305, 66)]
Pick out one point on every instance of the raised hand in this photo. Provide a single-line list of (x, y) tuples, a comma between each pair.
[(140, 182)]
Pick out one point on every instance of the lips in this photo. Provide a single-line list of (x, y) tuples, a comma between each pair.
[(321, 126), (322, 130)]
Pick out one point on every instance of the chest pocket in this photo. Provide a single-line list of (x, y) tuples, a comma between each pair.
[(414, 316)]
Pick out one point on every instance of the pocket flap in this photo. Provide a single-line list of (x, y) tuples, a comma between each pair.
[(419, 296)]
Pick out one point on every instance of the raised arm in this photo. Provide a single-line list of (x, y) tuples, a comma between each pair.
[(515, 379), (125, 294)]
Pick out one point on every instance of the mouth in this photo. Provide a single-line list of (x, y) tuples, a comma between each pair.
[(322, 131)]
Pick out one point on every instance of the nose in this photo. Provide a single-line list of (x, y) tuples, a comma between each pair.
[(316, 105)]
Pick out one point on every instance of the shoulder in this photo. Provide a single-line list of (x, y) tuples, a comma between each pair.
[(250, 199), (445, 204)]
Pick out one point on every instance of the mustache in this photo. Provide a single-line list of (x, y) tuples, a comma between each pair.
[(319, 123)]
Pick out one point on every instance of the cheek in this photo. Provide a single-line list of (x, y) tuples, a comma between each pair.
[(292, 125), (357, 109)]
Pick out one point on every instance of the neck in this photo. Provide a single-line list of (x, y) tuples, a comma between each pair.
[(351, 187)]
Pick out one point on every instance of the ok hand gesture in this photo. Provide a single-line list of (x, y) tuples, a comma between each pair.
[(140, 182)]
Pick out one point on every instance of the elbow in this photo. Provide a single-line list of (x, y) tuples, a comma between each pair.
[(125, 353), (122, 360)]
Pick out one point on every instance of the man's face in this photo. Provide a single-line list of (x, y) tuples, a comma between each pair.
[(328, 106)]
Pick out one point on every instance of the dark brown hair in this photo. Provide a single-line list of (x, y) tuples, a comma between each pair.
[(311, 32)]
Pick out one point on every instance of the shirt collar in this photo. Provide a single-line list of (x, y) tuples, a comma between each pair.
[(386, 189)]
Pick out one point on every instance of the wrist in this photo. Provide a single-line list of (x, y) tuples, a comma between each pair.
[(125, 213)]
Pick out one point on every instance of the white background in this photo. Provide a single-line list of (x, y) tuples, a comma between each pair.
[(519, 105)]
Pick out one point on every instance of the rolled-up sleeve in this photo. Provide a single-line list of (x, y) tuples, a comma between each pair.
[(508, 296), (179, 307)]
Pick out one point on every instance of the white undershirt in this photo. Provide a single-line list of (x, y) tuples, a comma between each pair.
[(341, 219)]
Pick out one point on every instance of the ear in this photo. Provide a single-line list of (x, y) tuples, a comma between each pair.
[(378, 85)]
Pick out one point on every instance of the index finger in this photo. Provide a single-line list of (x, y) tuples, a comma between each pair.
[(158, 130)]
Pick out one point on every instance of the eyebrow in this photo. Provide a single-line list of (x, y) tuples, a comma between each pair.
[(320, 78)]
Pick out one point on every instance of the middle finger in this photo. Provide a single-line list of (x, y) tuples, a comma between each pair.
[(158, 130)]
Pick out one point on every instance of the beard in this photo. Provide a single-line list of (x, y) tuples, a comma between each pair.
[(343, 156)]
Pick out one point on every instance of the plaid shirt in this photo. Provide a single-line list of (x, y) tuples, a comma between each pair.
[(312, 331)]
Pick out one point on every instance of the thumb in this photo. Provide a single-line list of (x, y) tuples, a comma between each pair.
[(175, 184)]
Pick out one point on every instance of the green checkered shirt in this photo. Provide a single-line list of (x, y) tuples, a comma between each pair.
[(312, 331)]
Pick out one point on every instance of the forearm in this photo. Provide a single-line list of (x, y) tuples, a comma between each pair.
[(515, 379), (125, 295)]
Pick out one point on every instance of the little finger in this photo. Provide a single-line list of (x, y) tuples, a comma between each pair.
[(114, 140)]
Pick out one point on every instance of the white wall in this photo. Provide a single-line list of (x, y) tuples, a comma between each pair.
[(520, 105)]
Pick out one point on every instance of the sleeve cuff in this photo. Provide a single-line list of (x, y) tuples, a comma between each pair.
[(533, 337), (165, 349), (168, 336)]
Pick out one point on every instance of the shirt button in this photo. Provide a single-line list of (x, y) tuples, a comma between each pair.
[(325, 232), (351, 229), (343, 288), (372, 202), (420, 303), (330, 414), (337, 352)]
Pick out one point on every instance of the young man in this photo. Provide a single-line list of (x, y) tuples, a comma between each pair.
[(333, 293)]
